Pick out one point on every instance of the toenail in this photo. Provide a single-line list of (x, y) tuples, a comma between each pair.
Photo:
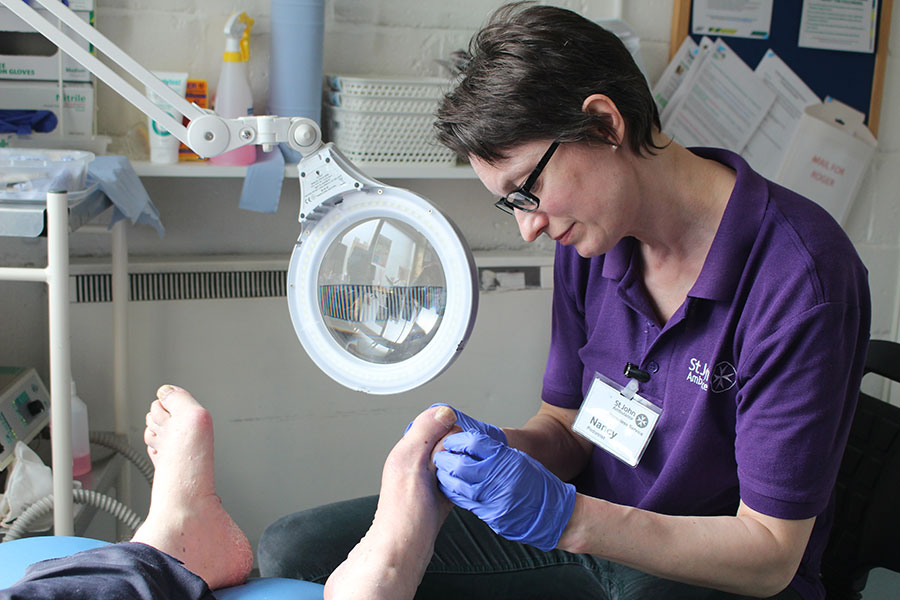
[(445, 416), (164, 391)]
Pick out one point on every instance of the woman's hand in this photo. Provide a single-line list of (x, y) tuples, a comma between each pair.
[(504, 487)]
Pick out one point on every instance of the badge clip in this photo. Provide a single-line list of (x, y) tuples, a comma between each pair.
[(636, 376), (634, 372)]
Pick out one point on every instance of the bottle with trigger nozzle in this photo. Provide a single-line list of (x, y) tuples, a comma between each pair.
[(233, 95)]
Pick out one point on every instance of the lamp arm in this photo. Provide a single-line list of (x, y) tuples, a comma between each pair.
[(207, 133)]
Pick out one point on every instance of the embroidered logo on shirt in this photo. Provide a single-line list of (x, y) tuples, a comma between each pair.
[(698, 374), (724, 377)]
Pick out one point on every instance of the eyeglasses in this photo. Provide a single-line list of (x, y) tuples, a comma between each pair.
[(521, 198)]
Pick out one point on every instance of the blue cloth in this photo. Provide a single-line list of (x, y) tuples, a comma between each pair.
[(262, 185), (117, 179), (25, 122)]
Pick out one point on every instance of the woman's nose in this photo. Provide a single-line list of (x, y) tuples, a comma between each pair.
[(531, 224)]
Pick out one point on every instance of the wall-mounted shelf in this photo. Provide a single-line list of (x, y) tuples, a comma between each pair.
[(377, 171)]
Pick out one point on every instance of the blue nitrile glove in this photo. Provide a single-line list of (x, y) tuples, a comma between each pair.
[(467, 423), (23, 122), (507, 489)]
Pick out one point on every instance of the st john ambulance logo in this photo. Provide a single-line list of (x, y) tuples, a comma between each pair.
[(724, 376), (698, 374)]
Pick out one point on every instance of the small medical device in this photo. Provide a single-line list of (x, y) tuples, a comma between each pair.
[(24, 409), (382, 288)]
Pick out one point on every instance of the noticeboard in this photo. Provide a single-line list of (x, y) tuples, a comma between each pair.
[(854, 78)]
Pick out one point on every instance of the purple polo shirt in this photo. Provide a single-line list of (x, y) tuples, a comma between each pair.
[(757, 373)]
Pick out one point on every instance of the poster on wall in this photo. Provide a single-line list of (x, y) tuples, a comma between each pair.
[(734, 18), (766, 148), (839, 25), (719, 104)]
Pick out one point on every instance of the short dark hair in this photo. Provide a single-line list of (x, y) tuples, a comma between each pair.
[(529, 71)]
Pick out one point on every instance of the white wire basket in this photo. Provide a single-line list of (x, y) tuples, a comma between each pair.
[(386, 137), (387, 104), (390, 87)]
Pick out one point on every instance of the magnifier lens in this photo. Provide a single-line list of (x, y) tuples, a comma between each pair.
[(382, 290)]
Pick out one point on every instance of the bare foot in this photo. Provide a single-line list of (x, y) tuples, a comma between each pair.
[(390, 560), (186, 518)]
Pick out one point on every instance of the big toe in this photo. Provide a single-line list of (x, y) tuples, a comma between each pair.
[(432, 424), (176, 399)]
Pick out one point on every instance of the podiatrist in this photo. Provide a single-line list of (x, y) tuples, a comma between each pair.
[(709, 329)]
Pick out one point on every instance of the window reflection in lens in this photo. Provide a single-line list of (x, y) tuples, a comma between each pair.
[(382, 290)]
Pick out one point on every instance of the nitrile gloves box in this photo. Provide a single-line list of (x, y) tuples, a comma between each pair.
[(27, 55), (78, 107)]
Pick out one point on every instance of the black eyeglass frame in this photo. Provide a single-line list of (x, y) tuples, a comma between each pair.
[(521, 198)]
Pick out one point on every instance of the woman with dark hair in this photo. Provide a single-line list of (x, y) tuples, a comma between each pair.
[(708, 338), (744, 307)]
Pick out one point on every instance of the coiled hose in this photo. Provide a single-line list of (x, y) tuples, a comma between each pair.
[(109, 440), (111, 505), (45, 506)]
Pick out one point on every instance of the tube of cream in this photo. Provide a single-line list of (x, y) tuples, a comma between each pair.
[(164, 145)]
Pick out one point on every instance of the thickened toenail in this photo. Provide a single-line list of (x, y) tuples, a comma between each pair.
[(445, 416), (164, 391)]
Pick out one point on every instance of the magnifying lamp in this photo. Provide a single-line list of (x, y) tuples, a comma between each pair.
[(382, 288)]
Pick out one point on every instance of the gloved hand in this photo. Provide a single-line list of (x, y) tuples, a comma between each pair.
[(507, 489), (467, 423)]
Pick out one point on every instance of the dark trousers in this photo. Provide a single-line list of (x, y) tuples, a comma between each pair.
[(126, 571), (470, 561)]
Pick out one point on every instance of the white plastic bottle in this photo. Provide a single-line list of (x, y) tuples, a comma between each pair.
[(233, 95), (81, 445)]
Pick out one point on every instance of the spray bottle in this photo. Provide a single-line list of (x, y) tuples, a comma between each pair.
[(233, 96)]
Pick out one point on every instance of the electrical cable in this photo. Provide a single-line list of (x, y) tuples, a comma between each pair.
[(91, 498)]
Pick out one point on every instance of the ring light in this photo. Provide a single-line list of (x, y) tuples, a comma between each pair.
[(382, 289)]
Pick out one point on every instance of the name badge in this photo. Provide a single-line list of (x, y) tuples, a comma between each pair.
[(617, 419)]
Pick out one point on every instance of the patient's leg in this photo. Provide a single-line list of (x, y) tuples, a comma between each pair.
[(186, 518), (390, 560)]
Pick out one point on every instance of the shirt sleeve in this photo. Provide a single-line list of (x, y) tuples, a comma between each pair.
[(563, 376), (798, 395)]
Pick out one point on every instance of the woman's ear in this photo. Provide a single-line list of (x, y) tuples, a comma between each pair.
[(600, 104)]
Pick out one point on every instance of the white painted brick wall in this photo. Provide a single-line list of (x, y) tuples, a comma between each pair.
[(388, 37)]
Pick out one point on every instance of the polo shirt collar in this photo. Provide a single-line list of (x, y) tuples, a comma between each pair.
[(618, 259), (737, 232)]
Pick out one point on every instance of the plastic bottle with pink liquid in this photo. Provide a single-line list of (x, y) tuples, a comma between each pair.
[(233, 95), (81, 445)]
